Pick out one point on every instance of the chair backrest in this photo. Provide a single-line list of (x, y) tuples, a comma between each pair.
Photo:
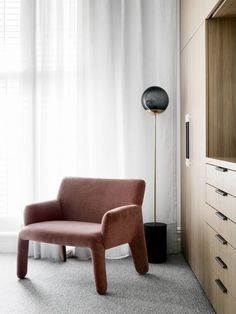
[(88, 199)]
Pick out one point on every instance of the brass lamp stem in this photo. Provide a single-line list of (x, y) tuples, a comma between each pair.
[(155, 168)]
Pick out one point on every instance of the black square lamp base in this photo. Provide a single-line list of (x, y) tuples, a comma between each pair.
[(156, 241)]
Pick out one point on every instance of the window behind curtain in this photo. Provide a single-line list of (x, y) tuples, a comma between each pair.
[(10, 106), (20, 60)]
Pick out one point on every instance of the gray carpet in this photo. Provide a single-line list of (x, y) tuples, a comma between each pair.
[(55, 287)]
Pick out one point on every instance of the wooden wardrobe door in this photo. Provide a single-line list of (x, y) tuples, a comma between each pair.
[(193, 176)]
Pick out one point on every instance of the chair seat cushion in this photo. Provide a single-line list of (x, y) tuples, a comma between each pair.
[(64, 232)]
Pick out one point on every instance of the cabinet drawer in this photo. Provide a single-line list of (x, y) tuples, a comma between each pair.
[(222, 301), (221, 259), (226, 228), (221, 178), (221, 201), (219, 225)]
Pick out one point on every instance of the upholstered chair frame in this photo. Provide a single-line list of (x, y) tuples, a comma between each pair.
[(95, 213)]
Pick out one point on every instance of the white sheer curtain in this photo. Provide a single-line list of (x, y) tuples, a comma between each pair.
[(85, 64), (15, 116)]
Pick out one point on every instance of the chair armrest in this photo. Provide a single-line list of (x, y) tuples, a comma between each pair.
[(120, 224), (44, 211)]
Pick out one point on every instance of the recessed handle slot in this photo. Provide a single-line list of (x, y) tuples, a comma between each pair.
[(222, 193), (221, 216), (220, 239), (221, 286), (187, 139), (220, 262), (221, 169)]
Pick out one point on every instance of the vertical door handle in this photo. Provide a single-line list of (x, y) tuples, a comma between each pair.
[(187, 154)]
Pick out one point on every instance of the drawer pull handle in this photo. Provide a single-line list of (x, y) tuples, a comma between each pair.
[(220, 239), (221, 169), (221, 216), (221, 286), (222, 193), (220, 262)]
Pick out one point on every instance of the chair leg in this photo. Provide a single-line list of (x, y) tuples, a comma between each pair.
[(62, 253), (139, 252), (99, 268), (22, 258)]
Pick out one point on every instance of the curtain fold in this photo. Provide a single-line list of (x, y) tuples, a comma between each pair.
[(86, 64)]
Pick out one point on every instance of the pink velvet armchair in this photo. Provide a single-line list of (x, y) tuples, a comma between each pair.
[(95, 213)]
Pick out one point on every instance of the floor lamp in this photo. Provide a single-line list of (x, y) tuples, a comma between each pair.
[(155, 100)]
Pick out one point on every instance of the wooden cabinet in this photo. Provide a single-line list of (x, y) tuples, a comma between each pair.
[(221, 201), (208, 181), (221, 70), (193, 177), (222, 177), (220, 236), (221, 300)]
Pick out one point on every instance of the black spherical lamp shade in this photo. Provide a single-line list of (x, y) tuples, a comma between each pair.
[(155, 99)]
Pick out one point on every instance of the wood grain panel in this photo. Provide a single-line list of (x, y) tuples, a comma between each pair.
[(226, 228), (223, 303), (227, 254), (193, 177), (221, 88), (221, 226), (225, 204), (226, 9), (223, 180)]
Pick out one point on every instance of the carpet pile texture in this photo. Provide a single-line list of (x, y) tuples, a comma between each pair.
[(56, 287)]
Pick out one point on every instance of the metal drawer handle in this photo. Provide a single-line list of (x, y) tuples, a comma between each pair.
[(220, 262), (220, 239), (221, 286), (222, 193), (221, 216), (221, 169)]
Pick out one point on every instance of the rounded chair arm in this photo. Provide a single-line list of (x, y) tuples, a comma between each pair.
[(45, 211), (119, 225)]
